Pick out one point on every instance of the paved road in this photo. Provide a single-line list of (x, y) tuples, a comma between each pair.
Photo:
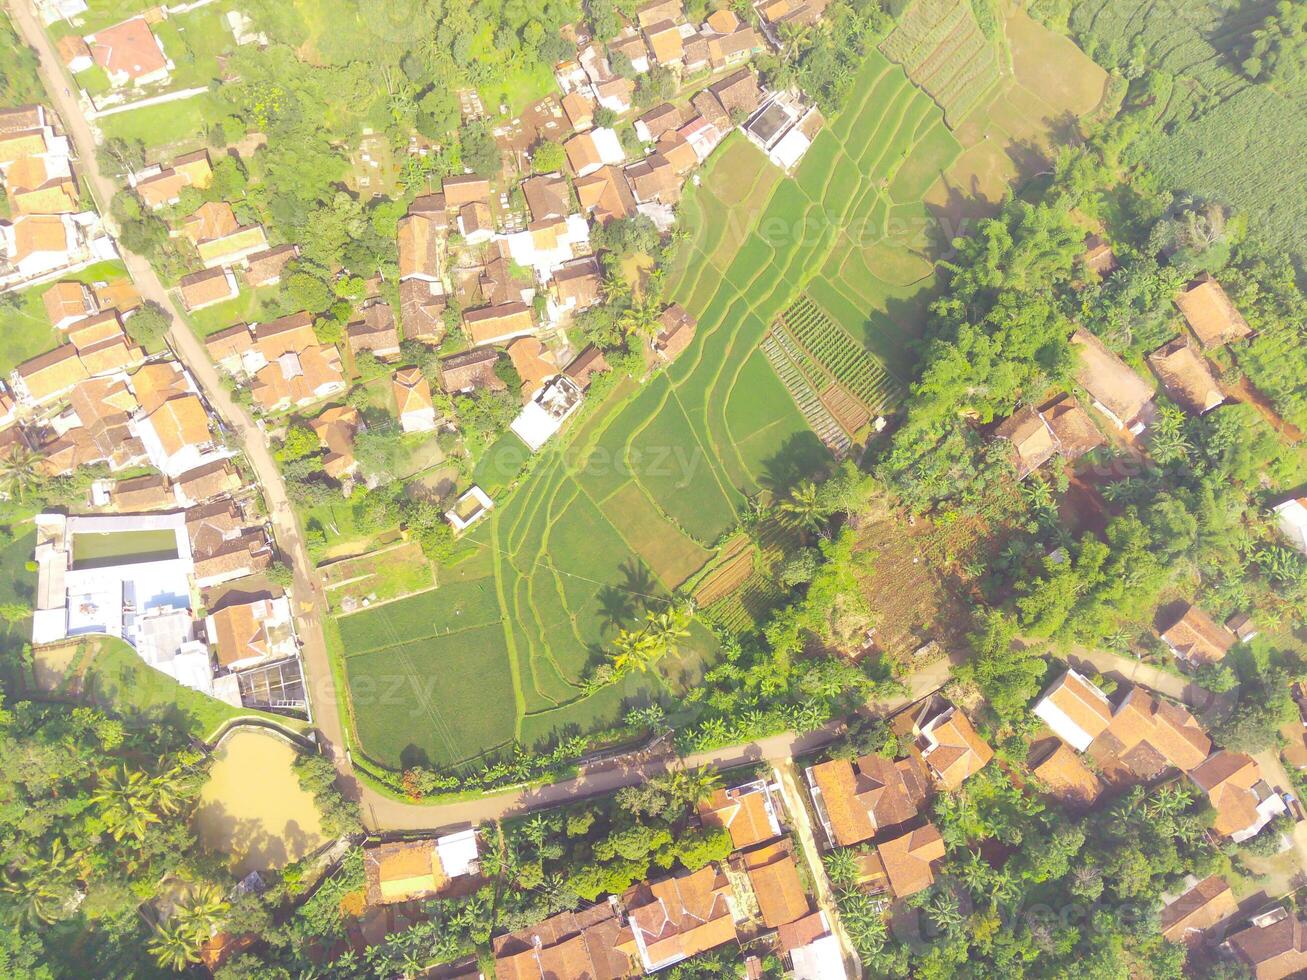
[(192, 353)]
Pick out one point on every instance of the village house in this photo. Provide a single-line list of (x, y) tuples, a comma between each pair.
[(677, 332), (212, 479), (159, 186), (74, 52), (1210, 313), (497, 324), (681, 916), (588, 151), (912, 859), (739, 93), (533, 363), (546, 412), (630, 45), (47, 376), (404, 871), (1033, 441), (1186, 376), (1075, 709), (265, 268), (579, 108), (1203, 906), (813, 950), (130, 53), (33, 246), (1098, 257), (945, 742), (774, 878), (472, 505), (413, 405), (749, 812), (547, 197), (783, 128), (336, 429), (1065, 776), (711, 108), (213, 219), (1148, 737), (586, 365), (474, 223), (376, 332), (287, 365), (208, 288), (176, 434), (1273, 947), (702, 137), (1074, 430), (594, 943), (663, 118), (470, 370), (605, 195), (856, 801), (466, 189), (41, 184), (1244, 802), (665, 43), (1197, 639), (95, 428), (67, 302), (738, 46), (577, 286), (1120, 394), (654, 180), (141, 493), (244, 634), (241, 554)]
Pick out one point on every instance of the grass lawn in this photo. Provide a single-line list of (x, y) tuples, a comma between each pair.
[(166, 129), (379, 576), (251, 306)]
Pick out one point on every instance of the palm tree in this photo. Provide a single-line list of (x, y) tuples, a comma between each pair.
[(18, 471), (632, 651), (202, 910), (805, 508), (127, 801), (666, 629), (693, 786), (174, 947), (655, 283), (640, 319), (615, 287)]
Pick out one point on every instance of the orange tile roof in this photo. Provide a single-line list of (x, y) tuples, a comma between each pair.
[(1149, 734), (1075, 430), (213, 219), (111, 355), (1228, 779), (1198, 638), (241, 631), (665, 42), (52, 373), (1210, 313), (465, 190), (412, 393), (1068, 778), (605, 193), (201, 289), (65, 300), (494, 324), (776, 883), (583, 154), (1274, 951), (335, 429), (421, 240), (403, 870), (849, 820), (683, 915), (129, 48), (534, 364), (1032, 439), (742, 812), (35, 233), (95, 329), (1081, 702), (179, 422), (910, 860), (1208, 903), (953, 751)]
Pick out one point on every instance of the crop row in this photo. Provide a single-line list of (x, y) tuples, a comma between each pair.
[(851, 364), (918, 33)]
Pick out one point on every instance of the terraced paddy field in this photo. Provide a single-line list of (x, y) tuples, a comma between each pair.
[(810, 292)]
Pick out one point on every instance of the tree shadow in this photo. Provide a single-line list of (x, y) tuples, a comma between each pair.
[(801, 457), (638, 581), (617, 607), (413, 756)]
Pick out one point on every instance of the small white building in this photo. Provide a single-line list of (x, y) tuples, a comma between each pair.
[(469, 508), (1076, 710), (545, 414)]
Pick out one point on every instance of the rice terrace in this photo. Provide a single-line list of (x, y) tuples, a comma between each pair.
[(810, 291)]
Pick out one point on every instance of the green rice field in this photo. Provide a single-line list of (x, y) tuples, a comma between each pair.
[(641, 489)]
